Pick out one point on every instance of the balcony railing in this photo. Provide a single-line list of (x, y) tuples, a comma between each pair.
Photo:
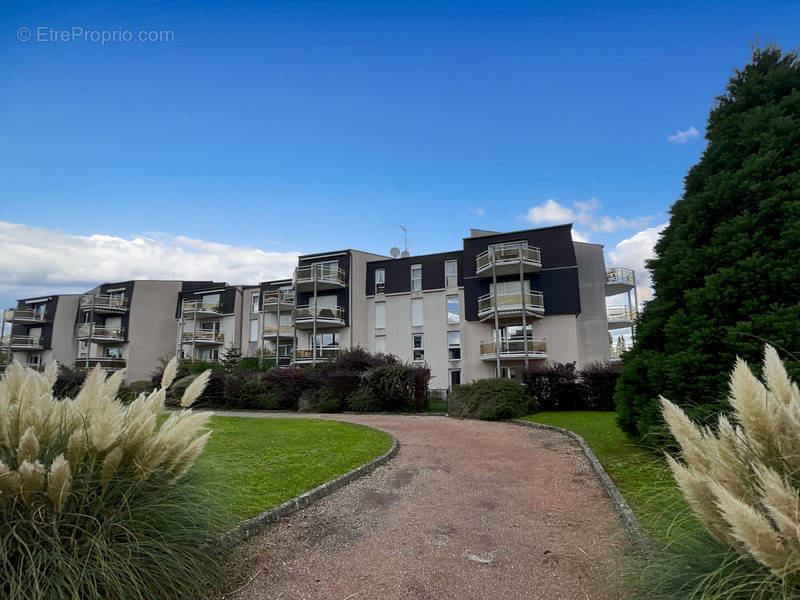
[(97, 333), (620, 314), (507, 256), (513, 349), (203, 337), (284, 330), (327, 276), (104, 303), (304, 316), (198, 307), (322, 353), (23, 342), (510, 304), (24, 315), (619, 275), (109, 363)]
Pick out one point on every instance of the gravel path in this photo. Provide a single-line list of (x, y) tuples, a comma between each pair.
[(466, 510)]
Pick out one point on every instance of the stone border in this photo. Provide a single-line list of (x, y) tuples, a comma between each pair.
[(626, 515), (254, 525)]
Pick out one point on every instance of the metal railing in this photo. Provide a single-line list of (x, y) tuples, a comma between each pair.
[(24, 314), (284, 330), (285, 297), (22, 341), (514, 347), (86, 330), (195, 306), (320, 273), (306, 313), (214, 337), (323, 353), (103, 302), (620, 313), (619, 275), (34, 366), (510, 301), (508, 253), (109, 363)]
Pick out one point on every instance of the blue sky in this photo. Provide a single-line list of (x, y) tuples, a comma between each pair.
[(302, 127)]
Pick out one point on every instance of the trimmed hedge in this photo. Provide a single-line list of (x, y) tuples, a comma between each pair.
[(490, 400), (560, 386)]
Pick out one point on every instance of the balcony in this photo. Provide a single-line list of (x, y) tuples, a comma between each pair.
[(284, 331), (306, 355), (273, 301), (514, 349), (35, 366), (108, 363), (619, 280), (620, 316), (326, 278), (22, 342), (326, 318), (102, 304), (507, 259), (197, 309), (100, 335), (203, 338), (24, 315), (509, 304)]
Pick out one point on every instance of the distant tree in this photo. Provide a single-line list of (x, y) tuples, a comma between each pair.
[(726, 270), (231, 358), (621, 345)]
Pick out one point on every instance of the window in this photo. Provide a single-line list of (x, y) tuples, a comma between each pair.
[(114, 352), (34, 360), (209, 354), (455, 378), (380, 345), (254, 328), (418, 346), (454, 345), (416, 278), (254, 303), (451, 273), (327, 340), (380, 281), (380, 315), (416, 312), (116, 298), (453, 309)]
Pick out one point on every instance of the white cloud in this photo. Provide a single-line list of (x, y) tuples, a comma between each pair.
[(582, 213), (632, 252), (36, 261), (479, 212), (681, 137), (577, 236)]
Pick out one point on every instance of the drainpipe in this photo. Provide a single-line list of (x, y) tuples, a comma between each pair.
[(496, 318)]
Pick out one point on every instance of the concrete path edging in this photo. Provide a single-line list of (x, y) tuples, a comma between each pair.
[(629, 520), (254, 525)]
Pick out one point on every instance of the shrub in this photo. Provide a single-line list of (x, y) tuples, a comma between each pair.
[(391, 388), (490, 399), (92, 495), (129, 393), (288, 384), (598, 381), (68, 382), (362, 400), (554, 386), (740, 480)]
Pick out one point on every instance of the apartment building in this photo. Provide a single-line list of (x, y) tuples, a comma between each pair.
[(39, 330), (209, 318)]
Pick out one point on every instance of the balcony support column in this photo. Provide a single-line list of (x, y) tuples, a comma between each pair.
[(91, 332), (278, 332), (636, 306), (496, 318), (194, 331), (314, 323), (524, 311)]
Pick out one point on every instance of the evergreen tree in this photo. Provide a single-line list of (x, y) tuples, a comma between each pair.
[(726, 271), (231, 358)]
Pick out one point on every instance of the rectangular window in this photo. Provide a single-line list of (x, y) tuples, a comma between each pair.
[(114, 352), (380, 281), (380, 345), (116, 298), (210, 354), (254, 328), (454, 345), (453, 309), (416, 312), (254, 303), (455, 378), (34, 360), (380, 315), (416, 278), (451, 273), (327, 340), (418, 346)]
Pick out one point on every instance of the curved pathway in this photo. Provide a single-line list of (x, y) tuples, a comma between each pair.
[(467, 509)]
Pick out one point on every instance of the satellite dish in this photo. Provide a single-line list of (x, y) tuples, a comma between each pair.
[(405, 254), (395, 252)]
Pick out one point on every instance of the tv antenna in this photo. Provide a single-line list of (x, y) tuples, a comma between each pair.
[(405, 238)]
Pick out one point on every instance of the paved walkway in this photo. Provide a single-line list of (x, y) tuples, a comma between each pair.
[(466, 510)]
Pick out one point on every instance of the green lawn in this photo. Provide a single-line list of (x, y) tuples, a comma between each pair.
[(642, 477), (251, 465)]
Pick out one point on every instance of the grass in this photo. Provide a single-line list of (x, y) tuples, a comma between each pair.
[(251, 465), (642, 477)]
